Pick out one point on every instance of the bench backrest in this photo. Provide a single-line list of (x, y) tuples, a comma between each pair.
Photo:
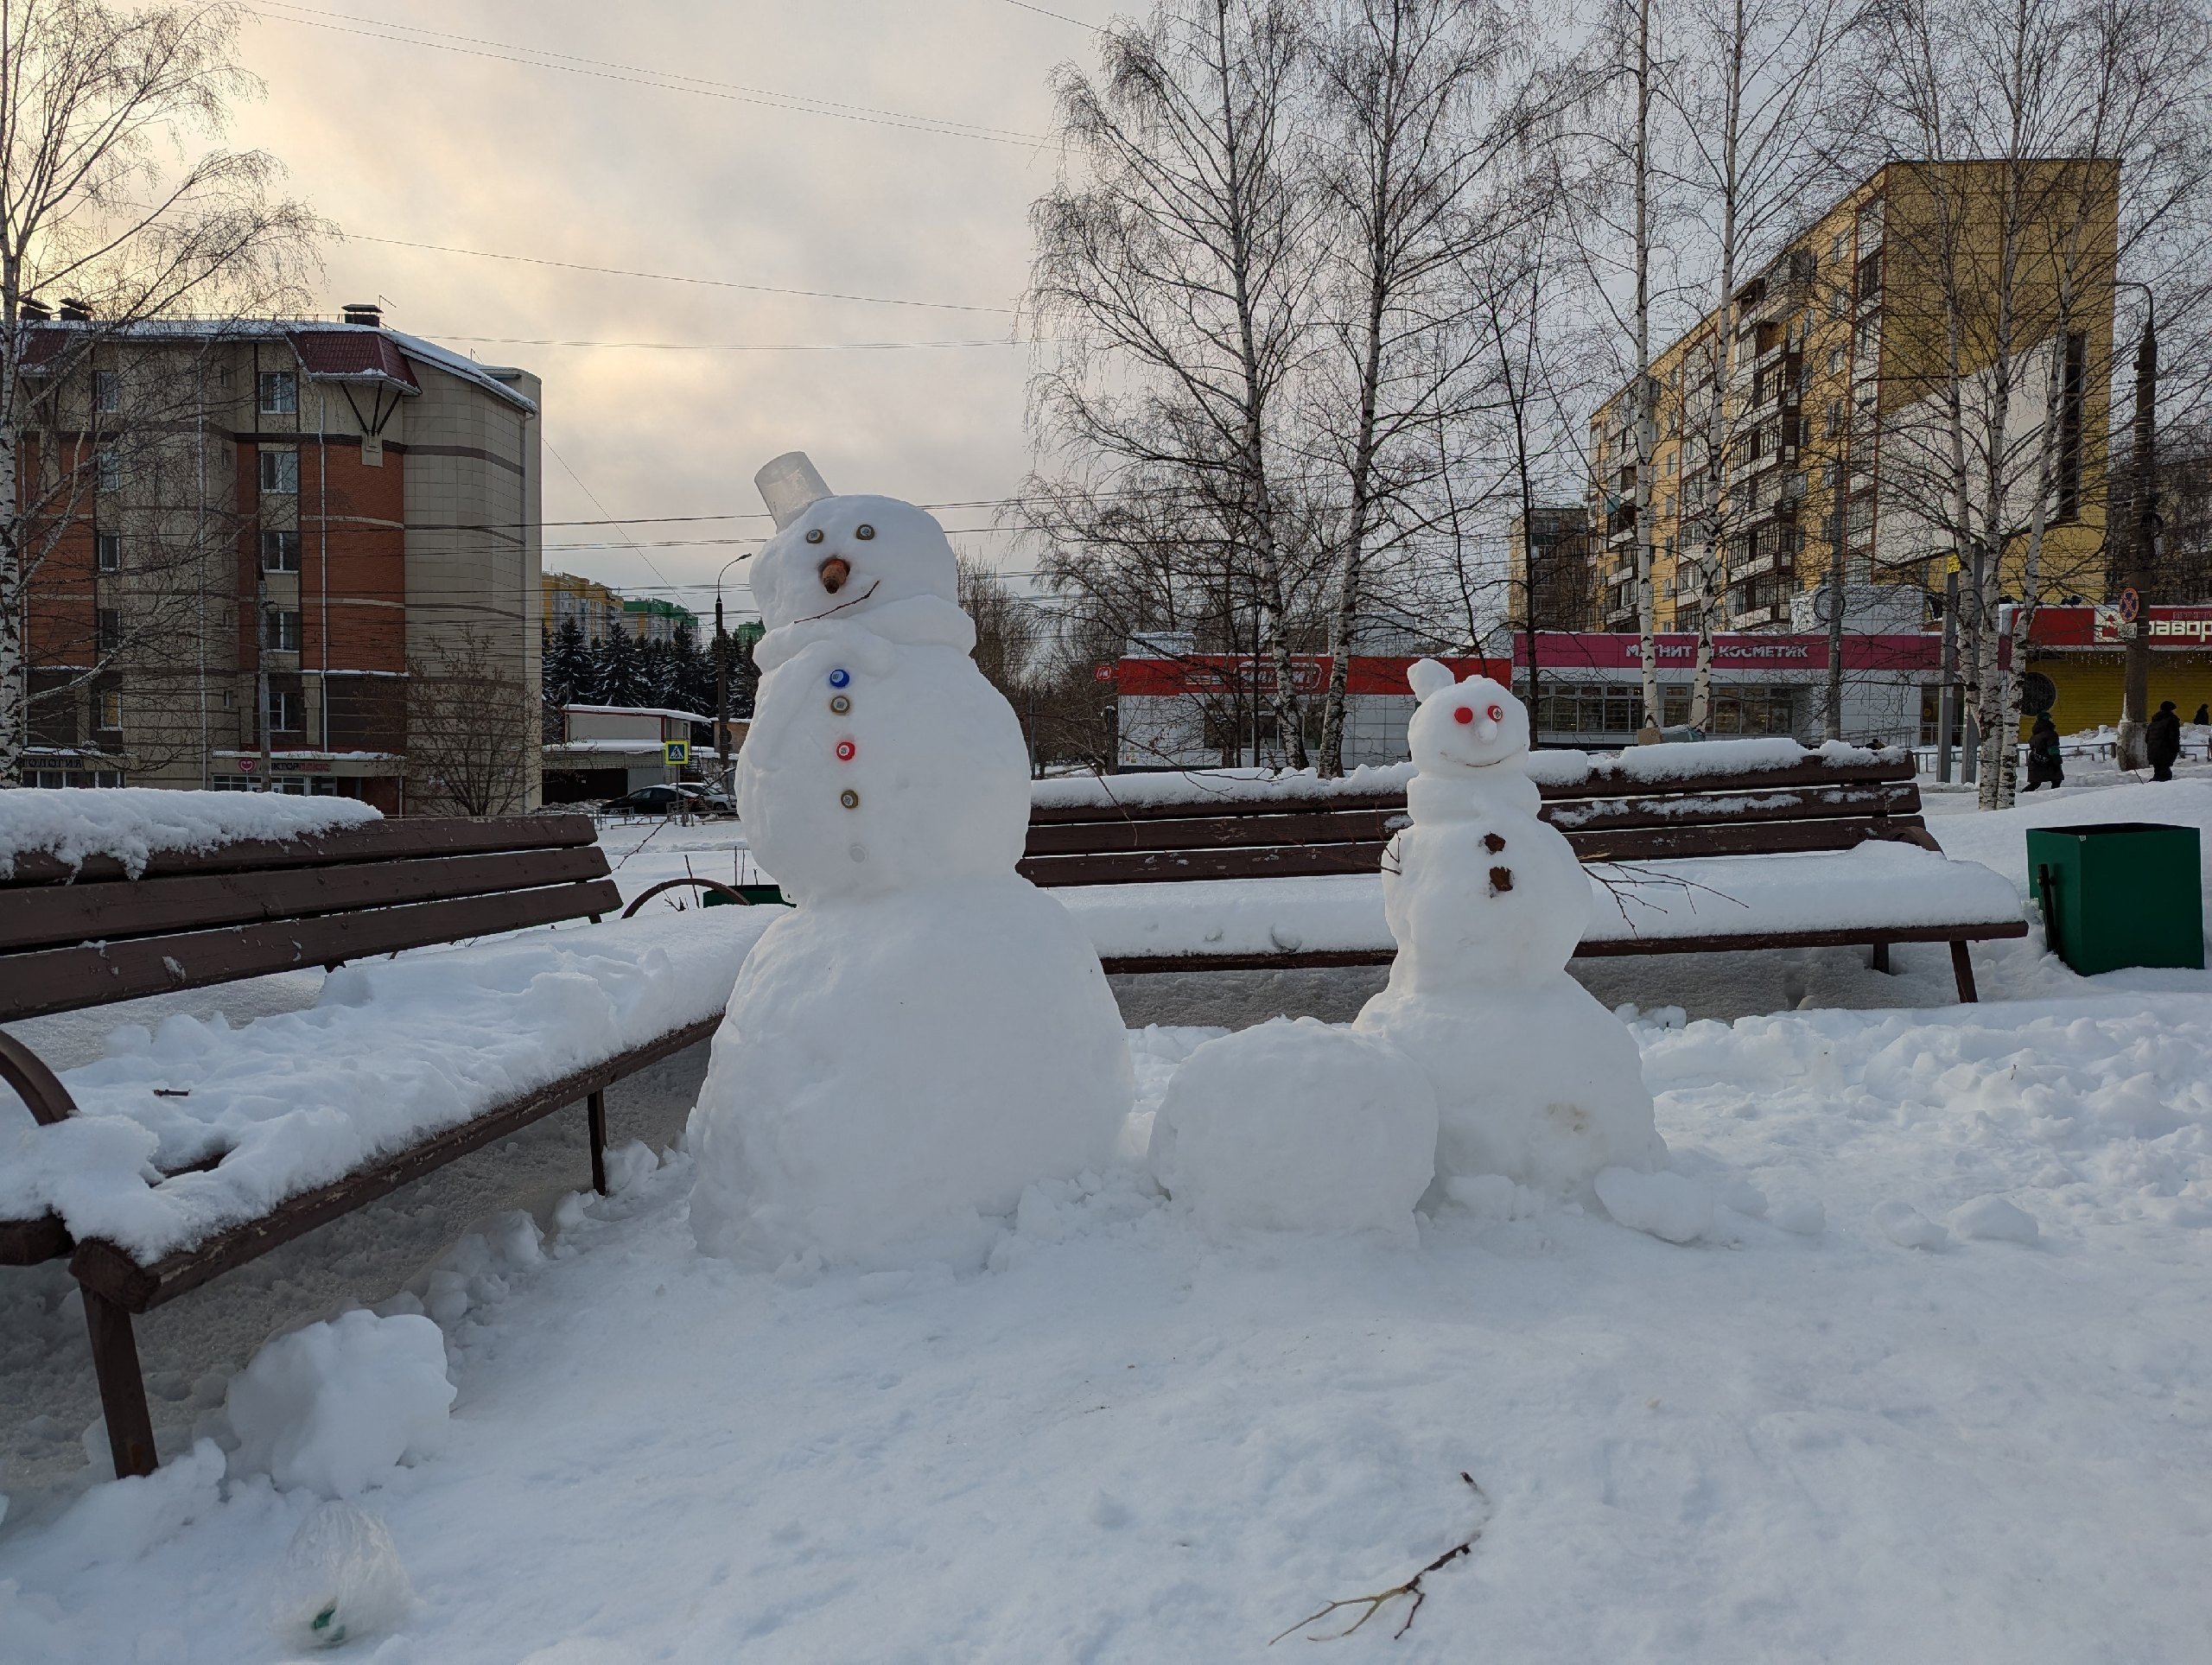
[(195, 918), (1814, 805)]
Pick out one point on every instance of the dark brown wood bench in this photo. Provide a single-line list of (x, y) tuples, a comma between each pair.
[(95, 935), (1211, 828)]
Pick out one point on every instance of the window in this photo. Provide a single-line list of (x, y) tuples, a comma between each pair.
[(107, 552), (1870, 276), (2072, 393), (107, 391), (280, 392), (280, 470), (1836, 361), (283, 630), (1835, 417), (108, 469), (287, 709), (107, 706), (1838, 246), (107, 629), (280, 551)]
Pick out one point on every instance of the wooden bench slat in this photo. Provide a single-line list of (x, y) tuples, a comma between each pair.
[(63, 979), (1148, 866), (1791, 803), (377, 841), (55, 914), (1751, 838), (109, 1271), (1217, 832), (1224, 804), (1814, 771)]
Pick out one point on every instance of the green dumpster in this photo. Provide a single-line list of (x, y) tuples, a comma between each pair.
[(2126, 893)]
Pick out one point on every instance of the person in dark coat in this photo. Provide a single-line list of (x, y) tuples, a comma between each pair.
[(2161, 741), (2203, 714), (2046, 765)]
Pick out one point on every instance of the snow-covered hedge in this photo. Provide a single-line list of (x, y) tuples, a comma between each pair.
[(131, 822)]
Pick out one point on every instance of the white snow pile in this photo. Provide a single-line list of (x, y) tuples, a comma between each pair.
[(340, 1580), (335, 1406), (392, 1052), (1663, 1204), (1297, 1126), (131, 823)]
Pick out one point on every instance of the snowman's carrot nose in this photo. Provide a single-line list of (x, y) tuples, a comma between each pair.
[(833, 572)]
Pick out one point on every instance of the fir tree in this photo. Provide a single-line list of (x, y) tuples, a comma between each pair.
[(615, 679), (694, 673), (567, 669)]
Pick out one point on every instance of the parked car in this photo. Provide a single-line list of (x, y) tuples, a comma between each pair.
[(669, 799)]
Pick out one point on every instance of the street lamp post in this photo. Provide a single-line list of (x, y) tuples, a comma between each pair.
[(722, 676)]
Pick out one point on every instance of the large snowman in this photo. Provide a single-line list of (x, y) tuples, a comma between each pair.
[(1534, 1079), (926, 1032)]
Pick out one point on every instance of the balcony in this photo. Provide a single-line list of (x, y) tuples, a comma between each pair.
[(1753, 618)]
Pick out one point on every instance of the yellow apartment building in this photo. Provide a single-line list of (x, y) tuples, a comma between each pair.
[(1812, 413)]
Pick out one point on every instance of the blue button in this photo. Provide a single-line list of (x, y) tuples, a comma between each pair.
[(840, 676)]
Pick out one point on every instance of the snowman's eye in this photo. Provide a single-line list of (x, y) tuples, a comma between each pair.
[(835, 571), (814, 536), (1495, 714), (1465, 714), (864, 531)]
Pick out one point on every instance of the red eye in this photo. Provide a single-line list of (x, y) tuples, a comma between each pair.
[(1465, 714), (1496, 713)]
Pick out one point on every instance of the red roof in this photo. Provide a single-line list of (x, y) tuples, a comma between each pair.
[(354, 355)]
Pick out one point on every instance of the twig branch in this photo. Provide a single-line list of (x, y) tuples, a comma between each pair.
[(1382, 1598)]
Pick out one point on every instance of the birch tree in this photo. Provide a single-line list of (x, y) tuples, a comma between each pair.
[(119, 206), (1174, 284)]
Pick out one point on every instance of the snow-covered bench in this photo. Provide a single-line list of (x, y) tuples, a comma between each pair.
[(185, 1154), (1690, 847)]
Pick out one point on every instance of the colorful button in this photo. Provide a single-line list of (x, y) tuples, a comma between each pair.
[(847, 750), (849, 798), (841, 703), (840, 678)]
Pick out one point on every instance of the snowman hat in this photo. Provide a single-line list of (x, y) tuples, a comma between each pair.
[(789, 484)]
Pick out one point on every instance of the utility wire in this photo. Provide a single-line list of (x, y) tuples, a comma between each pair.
[(509, 52), (722, 346), (670, 278)]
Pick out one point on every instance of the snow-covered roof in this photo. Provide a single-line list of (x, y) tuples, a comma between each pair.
[(637, 711), (335, 350)]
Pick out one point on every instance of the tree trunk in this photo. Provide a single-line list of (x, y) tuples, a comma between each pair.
[(1647, 601)]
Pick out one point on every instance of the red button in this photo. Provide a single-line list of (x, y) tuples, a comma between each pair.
[(847, 750), (1465, 714)]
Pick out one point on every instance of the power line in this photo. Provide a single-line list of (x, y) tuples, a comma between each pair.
[(509, 52), (670, 278), (1057, 17)]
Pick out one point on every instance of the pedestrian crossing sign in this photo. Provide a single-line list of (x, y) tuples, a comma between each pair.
[(676, 752)]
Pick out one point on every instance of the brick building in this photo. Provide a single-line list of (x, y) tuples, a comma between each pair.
[(266, 549)]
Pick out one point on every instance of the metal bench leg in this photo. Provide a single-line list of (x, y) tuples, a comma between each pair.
[(1880, 959), (122, 1389), (1963, 967), (596, 1116)]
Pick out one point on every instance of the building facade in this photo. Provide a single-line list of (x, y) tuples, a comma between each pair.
[(606, 750), (595, 608), (652, 619), (1808, 420), (266, 556)]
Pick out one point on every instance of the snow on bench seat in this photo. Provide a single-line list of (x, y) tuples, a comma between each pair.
[(1875, 886), (393, 1052)]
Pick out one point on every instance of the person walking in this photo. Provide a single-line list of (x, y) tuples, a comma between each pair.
[(2046, 764), (2162, 741), (2203, 714)]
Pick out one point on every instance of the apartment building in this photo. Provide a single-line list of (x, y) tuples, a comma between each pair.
[(652, 619), (595, 608), (1808, 419), (267, 554)]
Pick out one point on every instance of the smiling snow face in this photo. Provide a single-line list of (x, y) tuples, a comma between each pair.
[(1463, 726), (845, 556)]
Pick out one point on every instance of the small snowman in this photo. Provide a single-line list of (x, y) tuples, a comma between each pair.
[(1534, 1079), (925, 1033)]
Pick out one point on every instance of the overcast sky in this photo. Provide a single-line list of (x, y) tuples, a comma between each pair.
[(430, 138)]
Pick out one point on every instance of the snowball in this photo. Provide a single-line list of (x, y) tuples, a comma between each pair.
[(332, 1406), (1297, 1126), (1665, 1204), (1907, 1227), (341, 1579), (1802, 1214), (1991, 1219), (894, 1067)]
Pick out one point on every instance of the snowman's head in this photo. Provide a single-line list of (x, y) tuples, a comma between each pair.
[(1460, 725), (841, 556)]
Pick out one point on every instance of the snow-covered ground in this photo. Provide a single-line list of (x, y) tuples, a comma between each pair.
[(1798, 1438)]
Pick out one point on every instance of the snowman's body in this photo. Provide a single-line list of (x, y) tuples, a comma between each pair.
[(925, 1033), (1534, 1079)]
